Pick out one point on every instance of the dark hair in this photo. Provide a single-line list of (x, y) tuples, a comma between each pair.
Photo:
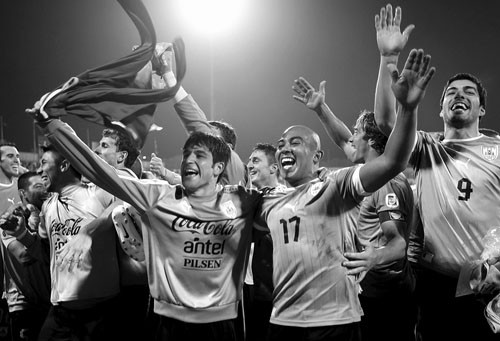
[(6, 144), (123, 144), (480, 89), (267, 149), (367, 120), (227, 132), (216, 145), (23, 181), (59, 157)]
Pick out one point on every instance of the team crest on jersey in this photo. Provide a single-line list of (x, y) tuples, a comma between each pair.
[(315, 188), (490, 153), (391, 200), (229, 209)]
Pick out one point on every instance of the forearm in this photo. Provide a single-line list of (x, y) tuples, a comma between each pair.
[(385, 102), (394, 250), (192, 117), (402, 139), (338, 132), (27, 247), (92, 166), (377, 172)]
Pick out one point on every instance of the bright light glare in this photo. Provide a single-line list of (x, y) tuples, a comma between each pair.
[(211, 16)]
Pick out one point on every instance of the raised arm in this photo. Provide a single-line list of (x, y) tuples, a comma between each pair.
[(390, 43), (409, 89), (315, 100), (189, 112)]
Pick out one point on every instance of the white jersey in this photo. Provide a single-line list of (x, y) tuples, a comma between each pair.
[(63, 215), (312, 226), (458, 191), (196, 248)]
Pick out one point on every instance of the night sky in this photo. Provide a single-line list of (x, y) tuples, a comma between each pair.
[(44, 42)]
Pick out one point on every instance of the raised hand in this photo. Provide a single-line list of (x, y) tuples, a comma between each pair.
[(308, 95), (164, 53), (390, 40), (156, 166), (409, 86)]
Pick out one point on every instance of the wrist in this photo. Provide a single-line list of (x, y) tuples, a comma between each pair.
[(180, 95), (389, 58), (169, 78)]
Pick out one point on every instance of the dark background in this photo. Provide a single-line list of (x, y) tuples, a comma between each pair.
[(254, 63)]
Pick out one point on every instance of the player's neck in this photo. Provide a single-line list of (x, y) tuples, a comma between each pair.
[(202, 193), (452, 133), (4, 178), (301, 181), (62, 185)]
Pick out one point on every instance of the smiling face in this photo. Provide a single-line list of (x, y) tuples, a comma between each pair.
[(198, 171), (9, 161), (461, 104), (298, 155), (262, 172)]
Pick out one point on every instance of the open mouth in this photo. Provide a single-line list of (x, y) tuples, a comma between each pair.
[(287, 162), (189, 172), (459, 106)]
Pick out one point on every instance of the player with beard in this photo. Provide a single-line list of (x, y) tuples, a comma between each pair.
[(457, 182)]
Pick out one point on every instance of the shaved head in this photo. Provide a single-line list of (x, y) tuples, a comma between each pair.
[(309, 135)]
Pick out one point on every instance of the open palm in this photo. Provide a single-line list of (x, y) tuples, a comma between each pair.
[(409, 86)]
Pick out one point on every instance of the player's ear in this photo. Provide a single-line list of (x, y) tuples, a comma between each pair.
[(22, 194), (64, 166), (318, 155), (482, 111), (122, 156), (273, 168), (219, 168)]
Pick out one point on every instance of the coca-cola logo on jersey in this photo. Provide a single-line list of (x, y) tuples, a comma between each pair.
[(70, 227), (215, 228)]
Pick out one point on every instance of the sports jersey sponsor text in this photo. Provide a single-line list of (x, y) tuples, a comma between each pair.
[(60, 231), (216, 228), (197, 247)]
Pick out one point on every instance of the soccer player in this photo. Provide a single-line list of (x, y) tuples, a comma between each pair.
[(312, 223), (196, 236), (457, 182), (17, 303), (119, 151), (194, 120), (263, 174), (382, 228), (82, 297), (30, 275)]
